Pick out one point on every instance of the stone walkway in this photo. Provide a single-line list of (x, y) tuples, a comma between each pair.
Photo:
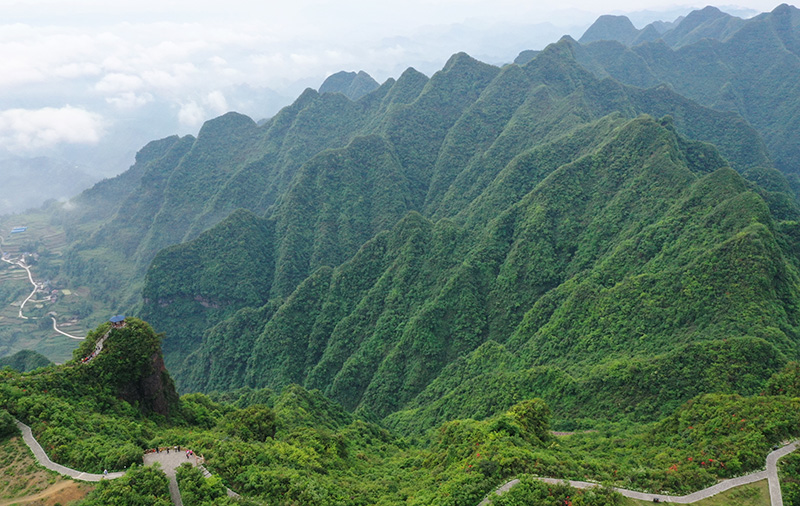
[(45, 461), (770, 474), (775, 497), (169, 463)]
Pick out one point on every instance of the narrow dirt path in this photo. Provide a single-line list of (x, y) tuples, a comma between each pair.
[(35, 497), (770, 474)]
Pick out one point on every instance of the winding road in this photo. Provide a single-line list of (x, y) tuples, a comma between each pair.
[(771, 474), (21, 263), (44, 460), (169, 463)]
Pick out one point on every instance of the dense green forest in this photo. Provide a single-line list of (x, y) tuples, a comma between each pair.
[(391, 293), (750, 67), (24, 361), (297, 447)]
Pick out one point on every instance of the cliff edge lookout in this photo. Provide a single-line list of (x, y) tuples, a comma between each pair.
[(117, 322)]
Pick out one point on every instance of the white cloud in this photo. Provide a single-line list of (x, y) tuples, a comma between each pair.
[(128, 101), (218, 61), (77, 70), (118, 83), (191, 115), (31, 129), (217, 103)]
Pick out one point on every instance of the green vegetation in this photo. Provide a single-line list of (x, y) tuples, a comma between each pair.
[(196, 490), (24, 361), (760, 49), (299, 447), (7, 425), (531, 491), (101, 414), (21, 477), (253, 423), (642, 262), (756, 494), (789, 472), (146, 486)]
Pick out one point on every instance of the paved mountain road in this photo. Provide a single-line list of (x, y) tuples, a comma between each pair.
[(772, 470), (169, 463), (45, 461), (771, 474)]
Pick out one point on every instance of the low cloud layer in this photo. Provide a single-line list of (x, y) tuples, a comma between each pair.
[(27, 130), (135, 71)]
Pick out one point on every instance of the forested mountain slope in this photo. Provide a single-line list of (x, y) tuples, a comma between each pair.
[(644, 244), (439, 154), (751, 67), (362, 247), (445, 258)]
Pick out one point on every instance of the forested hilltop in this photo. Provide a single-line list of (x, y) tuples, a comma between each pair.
[(611, 228), (297, 447)]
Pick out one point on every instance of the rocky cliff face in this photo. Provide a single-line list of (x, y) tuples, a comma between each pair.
[(154, 392), (131, 363)]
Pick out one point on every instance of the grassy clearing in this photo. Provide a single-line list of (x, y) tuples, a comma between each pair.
[(21, 478)]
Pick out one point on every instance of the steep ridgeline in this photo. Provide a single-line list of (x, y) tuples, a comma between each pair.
[(750, 67), (350, 84), (179, 187), (578, 255), (608, 27), (432, 146), (706, 23)]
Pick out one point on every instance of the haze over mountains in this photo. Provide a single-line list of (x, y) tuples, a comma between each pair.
[(90, 95)]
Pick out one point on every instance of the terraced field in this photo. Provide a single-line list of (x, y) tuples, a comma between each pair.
[(37, 333)]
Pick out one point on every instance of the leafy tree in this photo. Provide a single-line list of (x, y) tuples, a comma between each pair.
[(786, 381), (253, 423), (141, 486), (7, 425), (790, 479)]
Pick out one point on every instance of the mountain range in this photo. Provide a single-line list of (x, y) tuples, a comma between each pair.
[(568, 224)]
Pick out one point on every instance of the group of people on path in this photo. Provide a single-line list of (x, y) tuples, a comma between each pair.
[(159, 449), (189, 453)]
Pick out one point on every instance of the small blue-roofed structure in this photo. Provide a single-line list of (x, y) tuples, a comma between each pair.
[(117, 321), (17, 230)]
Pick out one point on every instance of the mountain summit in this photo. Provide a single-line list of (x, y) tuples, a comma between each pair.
[(609, 27), (350, 84)]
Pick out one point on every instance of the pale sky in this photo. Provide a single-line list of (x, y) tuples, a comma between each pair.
[(78, 73)]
